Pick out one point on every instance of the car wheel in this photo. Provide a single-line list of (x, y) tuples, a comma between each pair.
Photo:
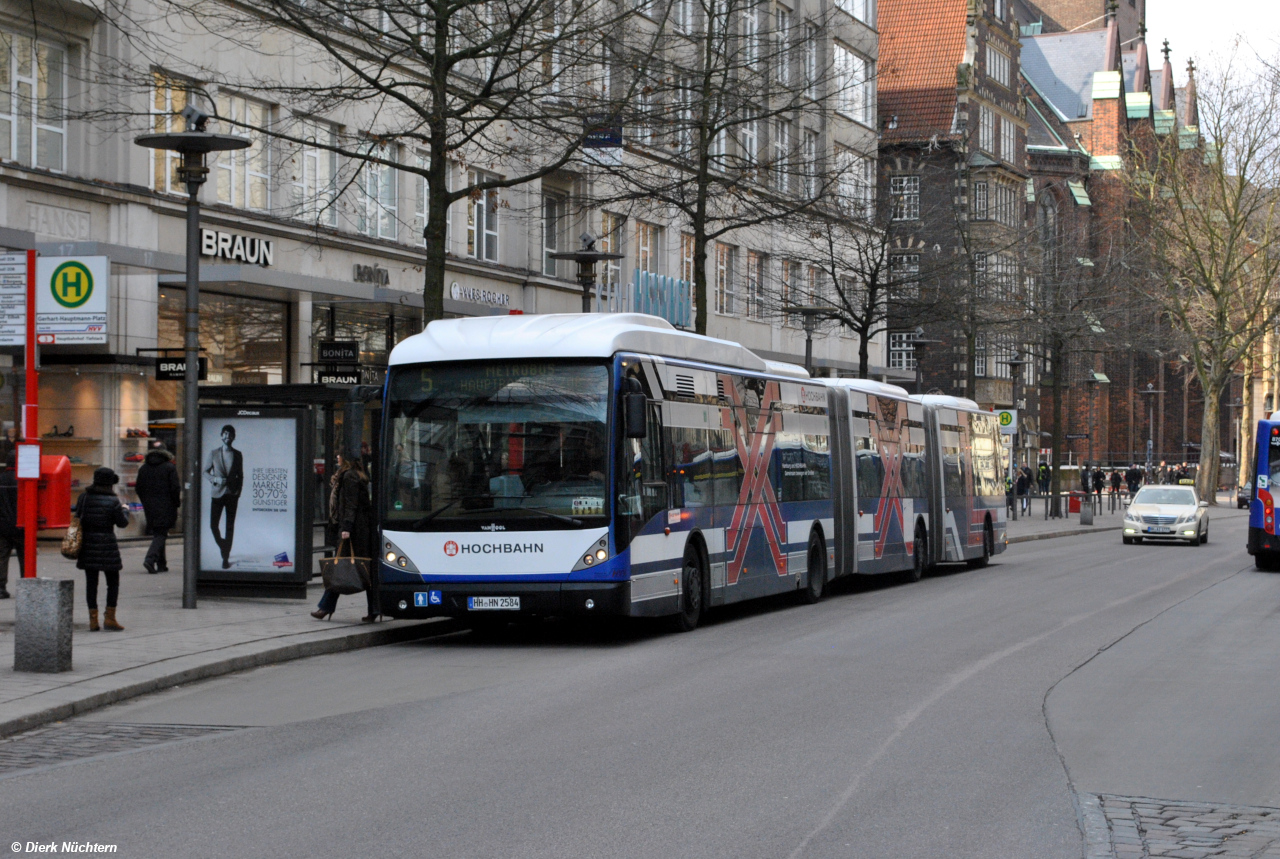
[(690, 592), (1204, 538)]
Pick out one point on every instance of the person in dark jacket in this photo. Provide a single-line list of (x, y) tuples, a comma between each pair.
[(160, 492), (1021, 487), (100, 513), (351, 530), (10, 534)]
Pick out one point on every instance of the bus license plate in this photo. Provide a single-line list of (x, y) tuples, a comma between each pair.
[(1155, 529), (493, 603)]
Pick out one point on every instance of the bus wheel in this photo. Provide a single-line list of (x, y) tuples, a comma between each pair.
[(988, 540), (817, 572), (691, 577), (919, 549)]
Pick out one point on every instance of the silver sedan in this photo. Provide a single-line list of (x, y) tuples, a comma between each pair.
[(1167, 513)]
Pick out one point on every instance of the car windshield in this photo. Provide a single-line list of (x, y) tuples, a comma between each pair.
[(1165, 495), (511, 445)]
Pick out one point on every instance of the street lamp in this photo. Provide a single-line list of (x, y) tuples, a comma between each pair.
[(1150, 393), (586, 260), (1015, 365), (811, 313), (1093, 381), (193, 144)]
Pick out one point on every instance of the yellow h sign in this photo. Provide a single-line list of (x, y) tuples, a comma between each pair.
[(71, 284)]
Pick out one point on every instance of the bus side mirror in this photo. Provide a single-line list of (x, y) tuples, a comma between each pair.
[(633, 414)]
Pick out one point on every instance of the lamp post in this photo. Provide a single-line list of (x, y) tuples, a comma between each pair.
[(810, 314), (193, 144), (1015, 364), (586, 258), (1150, 393)]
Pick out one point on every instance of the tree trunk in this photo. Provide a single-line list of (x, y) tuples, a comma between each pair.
[(433, 273), (1210, 443), (1055, 442), (700, 290), (864, 355)]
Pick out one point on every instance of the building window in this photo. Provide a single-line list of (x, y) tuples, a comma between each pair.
[(686, 93), (782, 45), (687, 266), (854, 82), (313, 168), (998, 66), (810, 163), (986, 130), (33, 87), (244, 175), (902, 350), (1003, 349), (757, 265), (1008, 141), (682, 15), (750, 36), (788, 277), (905, 191), (482, 219), (811, 47), (980, 355), (997, 9), (718, 148), (816, 294), (855, 181), (168, 98), (860, 9), (782, 154), (725, 287), (979, 201), (749, 141), (904, 271), (553, 211), (648, 246), (376, 203), (611, 242)]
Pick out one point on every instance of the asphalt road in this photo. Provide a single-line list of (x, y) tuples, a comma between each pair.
[(956, 717)]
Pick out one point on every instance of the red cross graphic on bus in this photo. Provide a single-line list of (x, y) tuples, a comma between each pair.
[(890, 502), (756, 498)]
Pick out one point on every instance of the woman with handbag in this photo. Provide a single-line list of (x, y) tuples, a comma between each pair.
[(351, 530), (100, 513)]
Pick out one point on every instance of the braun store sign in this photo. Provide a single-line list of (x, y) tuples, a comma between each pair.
[(232, 246), (479, 296)]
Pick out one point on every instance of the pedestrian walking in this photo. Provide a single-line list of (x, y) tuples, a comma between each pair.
[(1116, 480), (100, 513), (1134, 478), (1045, 476), (1021, 488), (11, 536), (1099, 481), (1085, 474), (351, 528), (160, 492)]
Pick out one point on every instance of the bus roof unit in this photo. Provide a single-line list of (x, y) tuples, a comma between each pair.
[(944, 402), (568, 335), (869, 386)]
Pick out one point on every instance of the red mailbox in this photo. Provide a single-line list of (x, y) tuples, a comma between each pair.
[(53, 492)]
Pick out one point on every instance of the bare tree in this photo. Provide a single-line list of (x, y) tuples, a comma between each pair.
[(733, 122), (1210, 223), (469, 97)]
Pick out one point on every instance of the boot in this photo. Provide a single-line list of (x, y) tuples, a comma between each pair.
[(93, 620), (109, 622)]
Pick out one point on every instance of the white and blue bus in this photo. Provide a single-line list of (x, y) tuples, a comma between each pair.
[(583, 464)]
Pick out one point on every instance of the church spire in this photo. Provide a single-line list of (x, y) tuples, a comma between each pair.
[(1165, 96), (1111, 57), (1142, 68), (1193, 110)]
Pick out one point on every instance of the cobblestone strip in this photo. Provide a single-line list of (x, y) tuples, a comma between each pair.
[(61, 743), (1144, 828)]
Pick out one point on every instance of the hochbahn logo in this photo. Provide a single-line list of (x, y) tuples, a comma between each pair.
[(451, 548), (71, 284)]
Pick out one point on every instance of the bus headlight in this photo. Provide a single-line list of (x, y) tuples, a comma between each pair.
[(393, 556), (597, 554)]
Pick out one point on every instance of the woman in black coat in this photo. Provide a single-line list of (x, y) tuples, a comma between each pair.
[(160, 492), (351, 530), (100, 513)]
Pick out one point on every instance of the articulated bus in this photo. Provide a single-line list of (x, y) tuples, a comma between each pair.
[(1264, 539), (578, 464)]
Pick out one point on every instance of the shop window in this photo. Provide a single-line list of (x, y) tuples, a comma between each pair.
[(243, 176), (245, 339), (375, 331)]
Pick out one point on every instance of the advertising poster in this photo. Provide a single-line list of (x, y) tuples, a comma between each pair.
[(250, 497)]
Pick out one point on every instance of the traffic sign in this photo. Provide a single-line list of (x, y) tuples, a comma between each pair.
[(71, 299), (1008, 419)]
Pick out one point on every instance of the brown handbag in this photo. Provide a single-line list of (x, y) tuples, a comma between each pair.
[(346, 575), (72, 540)]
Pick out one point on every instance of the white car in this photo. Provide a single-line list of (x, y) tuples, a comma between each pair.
[(1167, 513)]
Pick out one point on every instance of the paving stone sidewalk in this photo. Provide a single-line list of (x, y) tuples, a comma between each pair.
[(1130, 827), (165, 645)]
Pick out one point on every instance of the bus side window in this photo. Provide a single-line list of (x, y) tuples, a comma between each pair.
[(690, 466)]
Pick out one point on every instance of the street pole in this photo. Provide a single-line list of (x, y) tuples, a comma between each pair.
[(193, 144), (28, 484)]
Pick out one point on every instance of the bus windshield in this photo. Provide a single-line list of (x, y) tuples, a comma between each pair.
[(516, 444)]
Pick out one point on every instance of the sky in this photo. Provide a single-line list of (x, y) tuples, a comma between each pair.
[(1200, 29)]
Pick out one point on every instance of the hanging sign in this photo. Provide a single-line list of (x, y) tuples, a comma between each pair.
[(175, 369), (71, 299), (338, 352)]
